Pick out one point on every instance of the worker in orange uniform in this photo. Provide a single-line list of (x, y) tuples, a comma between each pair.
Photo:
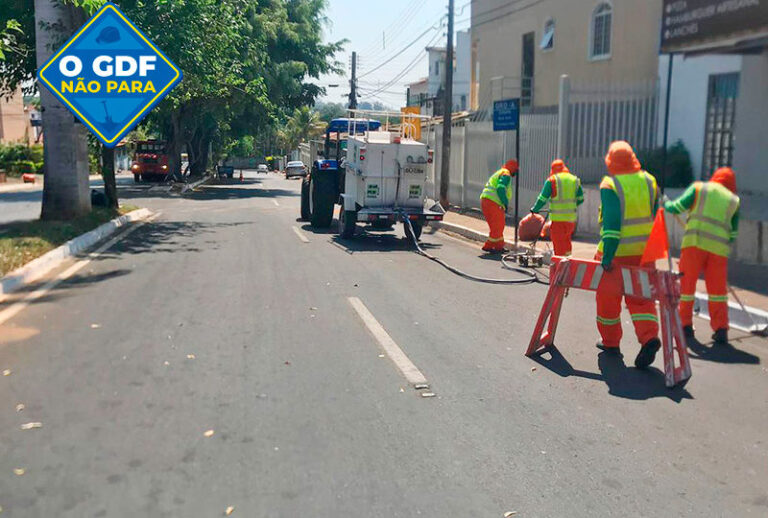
[(564, 193), (494, 201), (712, 227), (629, 199)]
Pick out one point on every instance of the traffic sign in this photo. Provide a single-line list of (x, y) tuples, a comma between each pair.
[(110, 75), (506, 115)]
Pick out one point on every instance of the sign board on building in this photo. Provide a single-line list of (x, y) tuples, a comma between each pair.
[(109, 75), (506, 115), (688, 24)]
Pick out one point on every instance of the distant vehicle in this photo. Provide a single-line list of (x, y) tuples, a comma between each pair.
[(262, 168), (295, 169), (225, 171), (150, 161)]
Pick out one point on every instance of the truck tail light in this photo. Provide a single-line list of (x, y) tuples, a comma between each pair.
[(397, 140), (325, 165), (362, 154), (430, 156)]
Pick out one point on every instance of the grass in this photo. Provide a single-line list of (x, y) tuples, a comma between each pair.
[(24, 241)]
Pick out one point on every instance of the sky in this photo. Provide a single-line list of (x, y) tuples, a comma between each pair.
[(378, 30)]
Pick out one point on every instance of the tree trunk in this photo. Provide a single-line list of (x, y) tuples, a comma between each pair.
[(108, 173), (174, 145), (66, 192)]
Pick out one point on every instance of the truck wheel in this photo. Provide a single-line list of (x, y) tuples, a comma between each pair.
[(322, 191), (137, 178), (347, 223), (416, 231), (305, 213)]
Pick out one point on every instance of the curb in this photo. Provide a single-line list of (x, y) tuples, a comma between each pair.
[(739, 319), (472, 234), (194, 185), (36, 268)]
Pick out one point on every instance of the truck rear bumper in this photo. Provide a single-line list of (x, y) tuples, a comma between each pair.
[(370, 215)]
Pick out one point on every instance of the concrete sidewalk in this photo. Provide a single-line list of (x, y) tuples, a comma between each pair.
[(750, 282)]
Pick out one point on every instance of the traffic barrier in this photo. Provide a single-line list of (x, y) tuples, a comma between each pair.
[(644, 283)]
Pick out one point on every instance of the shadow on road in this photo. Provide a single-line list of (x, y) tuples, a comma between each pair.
[(55, 293), (622, 381), (720, 353)]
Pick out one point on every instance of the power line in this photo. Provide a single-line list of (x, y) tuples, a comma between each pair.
[(504, 15), (407, 69), (414, 42)]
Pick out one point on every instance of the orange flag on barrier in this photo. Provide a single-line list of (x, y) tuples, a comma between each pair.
[(657, 246)]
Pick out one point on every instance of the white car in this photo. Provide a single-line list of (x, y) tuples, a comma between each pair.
[(262, 168), (295, 169)]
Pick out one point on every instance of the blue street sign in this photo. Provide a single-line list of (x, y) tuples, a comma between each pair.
[(506, 115), (110, 75)]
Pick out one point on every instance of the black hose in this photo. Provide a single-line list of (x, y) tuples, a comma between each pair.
[(531, 276)]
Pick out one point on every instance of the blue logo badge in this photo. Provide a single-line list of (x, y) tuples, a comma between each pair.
[(110, 75)]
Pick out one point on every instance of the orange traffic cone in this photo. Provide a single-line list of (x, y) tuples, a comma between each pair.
[(657, 246), (241, 175)]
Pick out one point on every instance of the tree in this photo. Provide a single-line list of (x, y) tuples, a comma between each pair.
[(66, 192), (330, 111)]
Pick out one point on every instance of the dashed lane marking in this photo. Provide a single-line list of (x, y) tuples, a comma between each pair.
[(398, 357), (300, 234)]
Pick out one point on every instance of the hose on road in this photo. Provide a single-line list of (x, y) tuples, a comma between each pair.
[(530, 276)]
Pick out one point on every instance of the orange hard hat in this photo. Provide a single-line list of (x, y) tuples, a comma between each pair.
[(621, 159), (512, 166), (725, 177), (558, 166)]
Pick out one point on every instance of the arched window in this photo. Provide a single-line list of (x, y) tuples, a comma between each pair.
[(548, 39), (602, 22)]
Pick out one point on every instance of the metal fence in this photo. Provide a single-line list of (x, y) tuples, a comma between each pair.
[(589, 117), (595, 114)]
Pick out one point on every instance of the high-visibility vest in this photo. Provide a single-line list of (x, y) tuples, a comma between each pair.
[(562, 206), (709, 224), (490, 193), (637, 194)]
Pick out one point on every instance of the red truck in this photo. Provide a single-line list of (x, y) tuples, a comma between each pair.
[(150, 161)]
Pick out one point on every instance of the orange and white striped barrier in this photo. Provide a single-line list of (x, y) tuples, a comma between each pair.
[(645, 283)]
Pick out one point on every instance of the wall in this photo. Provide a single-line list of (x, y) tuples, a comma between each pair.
[(751, 152), (14, 121), (499, 39), (688, 106)]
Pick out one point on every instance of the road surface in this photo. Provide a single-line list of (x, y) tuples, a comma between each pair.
[(25, 204), (227, 355)]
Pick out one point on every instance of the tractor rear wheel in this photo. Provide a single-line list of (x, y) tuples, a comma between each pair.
[(305, 212), (417, 228), (322, 189)]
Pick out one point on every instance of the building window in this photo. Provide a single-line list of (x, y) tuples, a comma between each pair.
[(463, 102), (600, 40), (528, 69), (437, 68), (722, 93), (548, 40)]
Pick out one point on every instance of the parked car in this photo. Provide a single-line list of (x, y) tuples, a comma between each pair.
[(295, 169), (262, 168)]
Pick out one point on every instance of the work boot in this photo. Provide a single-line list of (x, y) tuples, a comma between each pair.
[(720, 337), (647, 354), (689, 335), (610, 350)]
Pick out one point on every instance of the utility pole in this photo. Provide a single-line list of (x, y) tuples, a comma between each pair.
[(353, 84), (445, 157)]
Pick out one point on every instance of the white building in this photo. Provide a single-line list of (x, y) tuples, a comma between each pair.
[(427, 92)]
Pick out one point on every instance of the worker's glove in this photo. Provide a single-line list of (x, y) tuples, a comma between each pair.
[(607, 267)]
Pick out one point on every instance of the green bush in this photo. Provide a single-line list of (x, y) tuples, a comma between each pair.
[(39, 167), (679, 167), (15, 157), (20, 167)]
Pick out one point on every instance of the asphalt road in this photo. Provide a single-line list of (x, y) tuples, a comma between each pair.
[(25, 204), (225, 314)]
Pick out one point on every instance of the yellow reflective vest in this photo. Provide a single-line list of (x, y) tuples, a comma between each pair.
[(563, 206), (709, 224), (490, 193), (637, 194)]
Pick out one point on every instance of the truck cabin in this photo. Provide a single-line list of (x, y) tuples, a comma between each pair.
[(336, 147)]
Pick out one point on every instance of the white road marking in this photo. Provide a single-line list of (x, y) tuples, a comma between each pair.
[(18, 307), (401, 361), (276, 203), (301, 235)]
